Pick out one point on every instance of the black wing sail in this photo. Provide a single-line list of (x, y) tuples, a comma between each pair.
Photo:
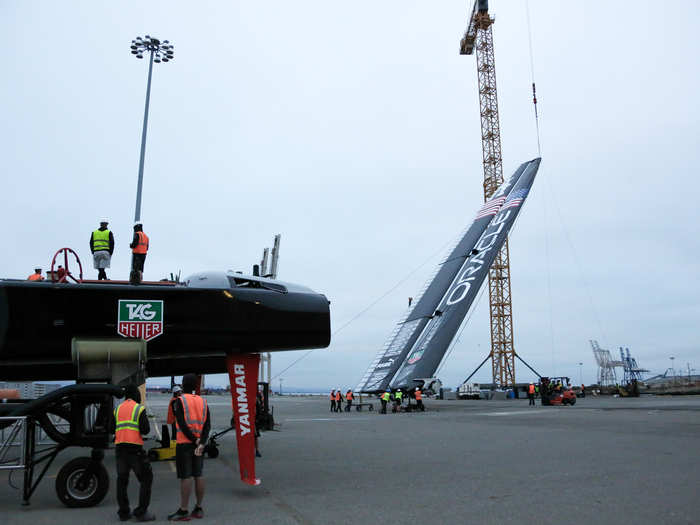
[(429, 349), (392, 355)]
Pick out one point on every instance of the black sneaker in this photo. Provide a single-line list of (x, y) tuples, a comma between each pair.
[(197, 512), (125, 517), (179, 515), (146, 516)]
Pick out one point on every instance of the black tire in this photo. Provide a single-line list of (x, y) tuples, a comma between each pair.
[(572, 402), (73, 496), (371, 407), (153, 455), (213, 452)]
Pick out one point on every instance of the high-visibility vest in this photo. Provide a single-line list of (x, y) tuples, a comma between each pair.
[(348, 396), (100, 240), (142, 246), (170, 419), (531, 389), (35, 277), (332, 396), (337, 396), (398, 395), (127, 417), (194, 409), (386, 396), (419, 395)]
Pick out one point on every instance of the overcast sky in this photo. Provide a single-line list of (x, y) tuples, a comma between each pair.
[(353, 130)]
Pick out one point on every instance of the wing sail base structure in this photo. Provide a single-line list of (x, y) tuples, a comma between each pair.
[(423, 335)]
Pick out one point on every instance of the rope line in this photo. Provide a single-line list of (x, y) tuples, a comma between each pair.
[(372, 304)]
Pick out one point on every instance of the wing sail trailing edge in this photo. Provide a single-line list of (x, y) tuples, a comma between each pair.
[(422, 337)]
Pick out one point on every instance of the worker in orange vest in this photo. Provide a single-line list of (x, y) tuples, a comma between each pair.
[(419, 400), (583, 390), (348, 400), (139, 248), (332, 400), (193, 425), (130, 423), (338, 401), (531, 394), (36, 276)]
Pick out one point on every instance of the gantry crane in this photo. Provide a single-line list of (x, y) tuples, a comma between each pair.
[(479, 38)]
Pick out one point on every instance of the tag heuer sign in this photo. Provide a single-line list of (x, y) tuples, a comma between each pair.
[(140, 318)]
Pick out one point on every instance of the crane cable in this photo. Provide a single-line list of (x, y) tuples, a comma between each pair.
[(364, 310), (532, 76)]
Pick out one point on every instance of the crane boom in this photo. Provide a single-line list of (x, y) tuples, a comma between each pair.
[(479, 38)]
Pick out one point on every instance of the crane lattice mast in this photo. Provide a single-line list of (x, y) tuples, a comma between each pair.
[(479, 38)]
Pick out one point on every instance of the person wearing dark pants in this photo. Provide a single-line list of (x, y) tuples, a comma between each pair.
[(130, 423), (193, 425), (332, 400), (531, 394), (385, 399), (139, 248)]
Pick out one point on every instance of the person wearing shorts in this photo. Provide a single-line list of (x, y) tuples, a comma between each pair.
[(193, 424)]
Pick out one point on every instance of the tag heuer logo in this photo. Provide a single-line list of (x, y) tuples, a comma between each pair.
[(140, 318)]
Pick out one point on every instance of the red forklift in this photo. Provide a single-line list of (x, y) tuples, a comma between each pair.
[(556, 391)]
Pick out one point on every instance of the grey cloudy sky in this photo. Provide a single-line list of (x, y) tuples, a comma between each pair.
[(353, 130)]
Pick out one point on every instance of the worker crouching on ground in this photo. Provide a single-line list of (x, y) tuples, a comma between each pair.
[(139, 248), (193, 423), (102, 248), (386, 396), (130, 423), (36, 276)]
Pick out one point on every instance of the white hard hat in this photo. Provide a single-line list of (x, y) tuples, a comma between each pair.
[(104, 220), (138, 223)]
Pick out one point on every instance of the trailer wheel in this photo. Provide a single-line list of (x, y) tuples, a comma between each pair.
[(152, 455), (572, 401), (68, 484), (371, 407), (213, 452)]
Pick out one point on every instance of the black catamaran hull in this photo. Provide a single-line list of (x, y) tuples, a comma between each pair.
[(38, 322)]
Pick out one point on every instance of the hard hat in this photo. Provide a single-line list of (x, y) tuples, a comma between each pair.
[(37, 268), (388, 390), (176, 389), (138, 223), (104, 221), (417, 388)]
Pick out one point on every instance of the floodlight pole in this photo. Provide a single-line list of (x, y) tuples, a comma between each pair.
[(137, 214)]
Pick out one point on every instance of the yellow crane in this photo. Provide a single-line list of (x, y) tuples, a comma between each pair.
[(478, 39)]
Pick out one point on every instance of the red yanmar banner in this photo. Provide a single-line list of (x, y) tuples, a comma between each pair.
[(243, 375)]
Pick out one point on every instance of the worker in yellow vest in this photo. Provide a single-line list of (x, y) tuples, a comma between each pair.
[(102, 247), (130, 424), (193, 425), (398, 396), (385, 399), (139, 248), (419, 399)]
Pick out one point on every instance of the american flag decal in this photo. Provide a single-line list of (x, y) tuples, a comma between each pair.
[(515, 199), (490, 208)]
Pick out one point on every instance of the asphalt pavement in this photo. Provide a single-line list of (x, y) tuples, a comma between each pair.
[(605, 460)]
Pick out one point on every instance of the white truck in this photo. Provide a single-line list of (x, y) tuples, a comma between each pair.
[(469, 391)]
